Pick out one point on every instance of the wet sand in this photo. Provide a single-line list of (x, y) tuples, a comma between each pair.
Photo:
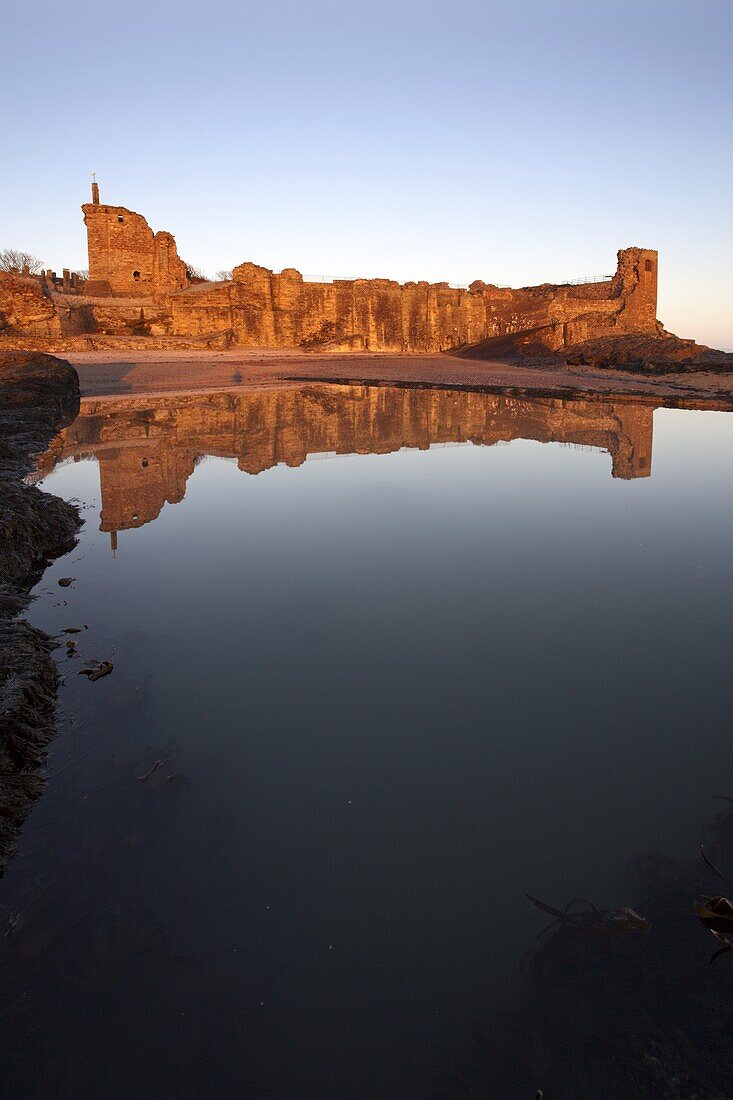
[(109, 373)]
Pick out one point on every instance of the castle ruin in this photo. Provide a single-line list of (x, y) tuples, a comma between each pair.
[(139, 293)]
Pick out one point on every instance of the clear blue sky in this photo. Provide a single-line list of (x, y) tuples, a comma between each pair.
[(516, 141)]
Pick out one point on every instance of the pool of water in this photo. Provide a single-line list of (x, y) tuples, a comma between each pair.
[(376, 678)]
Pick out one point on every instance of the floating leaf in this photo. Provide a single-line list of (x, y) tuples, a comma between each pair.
[(623, 920), (97, 673), (716, 913)]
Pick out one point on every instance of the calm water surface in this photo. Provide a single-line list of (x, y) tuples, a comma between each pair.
[(390, 694)]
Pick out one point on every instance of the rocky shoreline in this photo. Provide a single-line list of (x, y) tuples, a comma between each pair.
[(38, 395), (659, 354)]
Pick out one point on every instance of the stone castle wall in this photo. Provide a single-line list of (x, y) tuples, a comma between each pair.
[(139, 289), (26, 307), (263, 309)]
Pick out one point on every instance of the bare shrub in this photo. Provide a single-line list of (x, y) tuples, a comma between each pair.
[(196, 273), (15, 261)]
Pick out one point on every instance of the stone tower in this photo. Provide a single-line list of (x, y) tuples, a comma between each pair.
[(125, 256), (636, 279)]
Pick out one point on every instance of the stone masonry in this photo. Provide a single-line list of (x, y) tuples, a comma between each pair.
[(140, 291), (125, 256)]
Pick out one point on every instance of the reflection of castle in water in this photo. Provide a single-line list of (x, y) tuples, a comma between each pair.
[(147, 447)]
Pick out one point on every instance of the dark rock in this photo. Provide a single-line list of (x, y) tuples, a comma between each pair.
[(662, 354), (38, 394)]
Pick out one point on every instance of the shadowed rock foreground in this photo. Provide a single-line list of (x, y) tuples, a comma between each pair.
[(38, 393), (652, 354), (658, 352)]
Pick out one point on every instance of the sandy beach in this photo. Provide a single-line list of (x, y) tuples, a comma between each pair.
[(110, 373)]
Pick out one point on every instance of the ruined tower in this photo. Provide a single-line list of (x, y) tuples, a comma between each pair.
[(125, 256), (636, 279)]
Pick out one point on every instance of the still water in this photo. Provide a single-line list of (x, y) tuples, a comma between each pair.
[(376, 678)]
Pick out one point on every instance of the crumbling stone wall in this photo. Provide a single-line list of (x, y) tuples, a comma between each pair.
[(258, 308), (262, 309), (26, 307), (139, 289)]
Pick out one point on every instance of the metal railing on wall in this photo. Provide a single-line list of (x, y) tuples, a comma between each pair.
[(454, 286), (585, 279), (369, 278)]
